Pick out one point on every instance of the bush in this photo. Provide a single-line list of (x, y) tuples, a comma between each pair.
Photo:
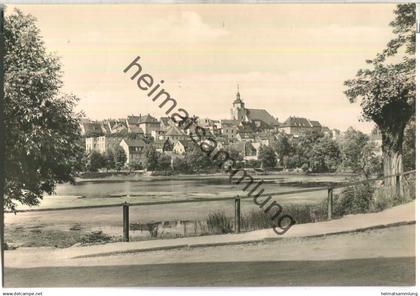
[(382, 199), (253, 163), (218, 222), (354, 200), (136, 165), (409, 186)]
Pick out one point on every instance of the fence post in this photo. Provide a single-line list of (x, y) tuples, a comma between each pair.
[(126, 222), (237, 214), (330, 203)]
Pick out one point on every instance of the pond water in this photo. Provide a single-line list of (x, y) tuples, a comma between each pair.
[(140, 188)]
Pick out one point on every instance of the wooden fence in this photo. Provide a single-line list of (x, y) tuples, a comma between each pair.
[(237, 202)]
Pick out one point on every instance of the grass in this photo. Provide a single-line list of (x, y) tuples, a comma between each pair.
[(42, 238), (95, 237), (218, 222)]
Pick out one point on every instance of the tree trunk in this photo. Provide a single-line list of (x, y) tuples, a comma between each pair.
[(392, 160), (393, 166)]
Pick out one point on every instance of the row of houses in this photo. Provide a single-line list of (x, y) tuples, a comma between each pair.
[(245, 131), (174, 147)]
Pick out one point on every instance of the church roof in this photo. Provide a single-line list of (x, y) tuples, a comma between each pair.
[(262, 115)]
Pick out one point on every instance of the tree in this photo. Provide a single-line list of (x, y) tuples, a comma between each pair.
[(164, 162), (325, 155), (198, 160), (109, 159), (282, 147), (119, 158), (387, 91), (152, 158), (42, 129), (181, 165), (358, 154), (96, 161), (267, 156)]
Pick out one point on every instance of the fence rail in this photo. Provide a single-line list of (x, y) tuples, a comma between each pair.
[(237, 202)]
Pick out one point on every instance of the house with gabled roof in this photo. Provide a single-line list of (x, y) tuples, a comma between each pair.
[(133, 124), (298, 126), (246, 149), (163, 146), (183, 146), (134, 149), (175, 134), (148, 124)]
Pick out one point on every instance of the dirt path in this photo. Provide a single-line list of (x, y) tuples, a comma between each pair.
[(356, 272), (388, 242)]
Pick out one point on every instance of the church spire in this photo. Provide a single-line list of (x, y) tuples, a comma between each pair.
[(238, 95)]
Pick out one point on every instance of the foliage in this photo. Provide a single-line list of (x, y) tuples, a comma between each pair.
[(325, 155), (181, 165), (164, 162), (409, 146), (42, 130), (198, 160), (354, 200), (282, 147), (152, 158), (253, 163), (268, 157), (109, 159), (313, 152), (96, 161), (358, 154), (135, 165), (387, 89)]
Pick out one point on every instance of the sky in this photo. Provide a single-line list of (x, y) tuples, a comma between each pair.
[(290, 59)]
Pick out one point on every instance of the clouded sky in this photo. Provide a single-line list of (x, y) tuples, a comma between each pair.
[(290, 59)]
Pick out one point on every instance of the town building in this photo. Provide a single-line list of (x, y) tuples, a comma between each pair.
[(298, 126), (134, 149), (101, 144), (246, 149), (148, 124), (175, 134), (229, 128), (183, 146)]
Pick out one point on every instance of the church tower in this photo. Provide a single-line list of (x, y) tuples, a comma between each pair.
[(238, 111)]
